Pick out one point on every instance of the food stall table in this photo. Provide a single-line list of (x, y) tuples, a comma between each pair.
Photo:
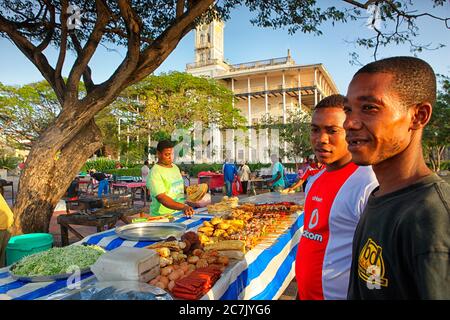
[(214, 180), (257, 183), (264, 274), (103, 219), (131, 187)]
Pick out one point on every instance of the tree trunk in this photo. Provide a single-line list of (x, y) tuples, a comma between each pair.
[(46, 178), (440, 152)]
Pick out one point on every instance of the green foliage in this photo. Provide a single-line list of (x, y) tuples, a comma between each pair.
[(9, 162), (134, 172), (175, 101), (258, 166), (161, 104), (445, 165), (107, 122), (296, 133), (194, 169), (26, 111), (306, 16), (436, 135), (100, 164)]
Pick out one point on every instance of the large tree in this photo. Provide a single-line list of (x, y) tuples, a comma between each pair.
[(176, 100), (295, 133), (436, 136), (149, 30), (27, 111)]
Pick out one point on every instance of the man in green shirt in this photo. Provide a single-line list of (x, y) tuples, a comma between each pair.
[(166, 183)]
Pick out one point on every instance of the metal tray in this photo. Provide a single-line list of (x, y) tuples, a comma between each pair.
[(44, 278), (151, 231)]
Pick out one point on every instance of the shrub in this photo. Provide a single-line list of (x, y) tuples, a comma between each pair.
[(134, 172), (9, 162), (194, 169), (258, 166), (100, 164), (445, 165)]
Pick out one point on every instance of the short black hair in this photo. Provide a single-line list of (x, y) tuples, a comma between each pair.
[(164, 144), (333, 101), (146, 162), (414, 79)]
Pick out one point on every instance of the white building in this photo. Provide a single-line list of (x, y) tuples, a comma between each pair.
[(271, 86)]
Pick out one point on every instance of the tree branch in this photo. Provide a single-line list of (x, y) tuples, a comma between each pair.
[(87, 52), (63, 48), (124, 35), (34, 55), (51, 29), (415, 16), (180, 8), (87, 78), (361, 5), (119, 79), (133, 26), (155, 54)]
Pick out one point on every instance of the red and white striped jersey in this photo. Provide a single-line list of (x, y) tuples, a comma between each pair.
[(334, 203)]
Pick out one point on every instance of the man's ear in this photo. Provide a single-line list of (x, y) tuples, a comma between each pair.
[(420, 115)]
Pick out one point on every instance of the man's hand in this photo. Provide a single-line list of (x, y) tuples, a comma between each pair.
[(188, 211)]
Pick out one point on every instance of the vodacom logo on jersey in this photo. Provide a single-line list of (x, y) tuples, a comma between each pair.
[(313, 221)]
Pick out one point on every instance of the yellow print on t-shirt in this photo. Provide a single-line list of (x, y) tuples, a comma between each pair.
[(371, 268)]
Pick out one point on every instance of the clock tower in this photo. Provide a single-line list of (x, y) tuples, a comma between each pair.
[(209, 60)]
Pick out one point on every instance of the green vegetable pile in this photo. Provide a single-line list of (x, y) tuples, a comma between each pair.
[(57, 260)]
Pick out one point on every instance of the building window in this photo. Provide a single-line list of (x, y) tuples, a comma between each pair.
[(241, 155)]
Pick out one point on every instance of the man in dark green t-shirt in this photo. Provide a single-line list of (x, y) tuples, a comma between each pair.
[(401, 244)]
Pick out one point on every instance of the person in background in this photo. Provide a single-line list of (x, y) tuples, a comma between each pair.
[(335, 199), (144, 171), (229, 173), (401, 247), (144, 175), (102, 182), (6, 221), (277, 181), (244, 174), (186, 179), (302, 167), (311, 169), (166, 183), (73, 192)]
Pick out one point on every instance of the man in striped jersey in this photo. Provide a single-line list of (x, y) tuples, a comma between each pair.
[(335, 199)]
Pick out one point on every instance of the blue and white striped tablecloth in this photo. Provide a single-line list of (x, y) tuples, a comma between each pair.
[(264, 274)]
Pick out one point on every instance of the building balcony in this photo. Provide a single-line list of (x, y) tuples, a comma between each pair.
[(261, 64), (258, 90), (305, 91), (202, 64)]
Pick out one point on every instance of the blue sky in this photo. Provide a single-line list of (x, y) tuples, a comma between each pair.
[(244, 42)]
